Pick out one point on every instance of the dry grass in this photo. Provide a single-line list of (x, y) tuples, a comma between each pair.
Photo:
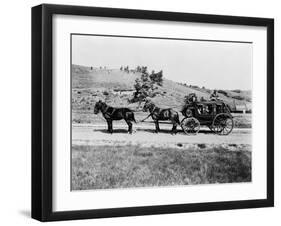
[(242, 120), (103, 167)]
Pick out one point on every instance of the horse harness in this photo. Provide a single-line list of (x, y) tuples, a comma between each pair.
[(108, 113), (151, 113)]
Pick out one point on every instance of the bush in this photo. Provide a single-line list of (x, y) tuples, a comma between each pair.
[(201, 145), (238, 98), (223, 92), (105, 93)]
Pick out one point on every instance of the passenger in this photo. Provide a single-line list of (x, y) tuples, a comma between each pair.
[(205, 110), (193, 97)]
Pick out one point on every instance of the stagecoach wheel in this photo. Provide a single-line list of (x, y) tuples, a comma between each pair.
[(222, 124), (190, 125)]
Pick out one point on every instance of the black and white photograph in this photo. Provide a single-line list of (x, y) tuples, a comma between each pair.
[(147, 111), (157, 111)]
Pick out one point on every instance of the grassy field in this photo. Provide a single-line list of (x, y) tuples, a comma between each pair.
[(242, 120), (104, 167)]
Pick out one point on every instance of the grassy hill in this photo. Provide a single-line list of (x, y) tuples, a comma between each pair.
[(87, 78), (116, 87)]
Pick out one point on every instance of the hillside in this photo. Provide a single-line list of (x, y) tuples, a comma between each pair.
[(116, 87), (85, 78)]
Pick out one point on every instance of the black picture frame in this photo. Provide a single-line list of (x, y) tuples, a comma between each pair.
[(42, 111)]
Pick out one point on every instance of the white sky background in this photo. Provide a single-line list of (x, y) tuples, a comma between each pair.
[(221, 65)]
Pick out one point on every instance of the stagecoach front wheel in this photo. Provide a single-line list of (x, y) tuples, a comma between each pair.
[(222, 124), (190, 125)]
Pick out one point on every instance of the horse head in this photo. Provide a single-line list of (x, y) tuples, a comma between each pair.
[(99, 106), (147, 105)]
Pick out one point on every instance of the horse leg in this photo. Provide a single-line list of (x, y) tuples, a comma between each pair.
[(109, 126), (157, 128), (130, 126), (175, 121), (174, 129)]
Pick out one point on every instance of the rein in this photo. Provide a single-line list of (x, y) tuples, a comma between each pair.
[(145, 118), (153, 109), (149, 114)]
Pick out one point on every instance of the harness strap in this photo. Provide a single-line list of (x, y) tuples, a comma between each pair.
[(149, 114), (153, 109), (146, 118), (107, 113)]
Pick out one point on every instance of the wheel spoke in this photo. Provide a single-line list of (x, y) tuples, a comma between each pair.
[(222, 124), (190, 125), (225, 129)]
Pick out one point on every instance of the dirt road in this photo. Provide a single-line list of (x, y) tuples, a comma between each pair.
[(86, 134)]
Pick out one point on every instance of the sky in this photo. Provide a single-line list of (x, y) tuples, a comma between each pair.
[(215, 65)]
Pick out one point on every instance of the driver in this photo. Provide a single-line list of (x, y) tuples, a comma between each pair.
[(214, 95)]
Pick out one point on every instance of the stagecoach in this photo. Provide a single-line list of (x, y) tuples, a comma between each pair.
[(214, 114)]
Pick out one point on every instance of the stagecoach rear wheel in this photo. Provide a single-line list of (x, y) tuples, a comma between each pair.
[(222, 124), (190, 125)]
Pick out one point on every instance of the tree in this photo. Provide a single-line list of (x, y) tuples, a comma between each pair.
[(146, 85), (157, 77), (126, 69)]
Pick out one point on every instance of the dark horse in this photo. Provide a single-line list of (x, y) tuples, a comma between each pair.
[(157, 114), (111, 113)]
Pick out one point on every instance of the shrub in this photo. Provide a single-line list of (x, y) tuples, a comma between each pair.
[(238, 97), (223, 92), (201, 146)]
